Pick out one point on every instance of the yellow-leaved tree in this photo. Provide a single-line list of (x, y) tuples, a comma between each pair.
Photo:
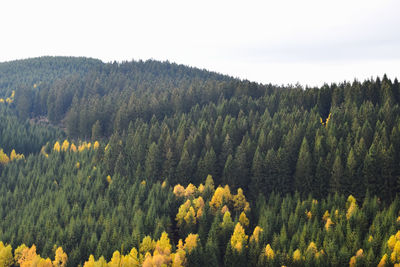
[(239, 238), (6, 257), (179, 190), (96, 145), (255, 237), (162, 253), (4, 159), (191, 242), (351, 206), (296, 255), (57, 146), (131, 259), (190, 191), (60, 258), (221, 196), (269, 252), (115, 260), (72, 148), (13, 155), (243, 219), (239, 201), (101, 262), (65, 145), (182, 212), (147, 245)]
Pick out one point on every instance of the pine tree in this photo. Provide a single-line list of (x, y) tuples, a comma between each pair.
[(336, 175), (303, 175), (153, 163)]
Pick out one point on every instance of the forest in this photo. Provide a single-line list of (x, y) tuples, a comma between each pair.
[(148, 163)]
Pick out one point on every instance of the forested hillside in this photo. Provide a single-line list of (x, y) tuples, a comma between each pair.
[(174, 165)]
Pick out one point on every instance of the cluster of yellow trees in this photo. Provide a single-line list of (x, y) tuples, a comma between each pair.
[(4, 159), (151, 253), (8, 100), (27, 257), (67, 146), (221, 201), (394, 246)]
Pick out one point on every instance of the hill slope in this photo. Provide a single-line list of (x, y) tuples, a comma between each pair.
[(158, 125)]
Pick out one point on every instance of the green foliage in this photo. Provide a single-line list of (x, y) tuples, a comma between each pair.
[(157, 122)]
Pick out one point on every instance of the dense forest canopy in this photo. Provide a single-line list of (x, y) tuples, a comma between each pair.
[(167, 164)]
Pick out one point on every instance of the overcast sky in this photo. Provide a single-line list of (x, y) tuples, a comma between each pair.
[(279, 42)]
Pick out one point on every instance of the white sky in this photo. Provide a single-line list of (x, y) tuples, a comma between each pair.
[(282, 41)]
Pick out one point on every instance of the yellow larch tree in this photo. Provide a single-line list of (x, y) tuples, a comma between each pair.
[(72, 148), (96, 145), (326, 216), (57, 146), (395, 256), (312, 248), (328, 224), (296, 255), (131, 259), (147, 245), (243, 219), (352, 206), (40, 262), (238, 238), (162, 253), (115, 259), (255, 237), (60, 258), (190, 191), (13, 155), (163, 244), (221, 196), (383, 261), (353, 260), (101, 262), (269, 252), (309, 215), (191, 242), (6, 257), (18, 252), (200, 188), (183, 210), (199, 206), (391, 242), (179, 257), (190, 217), (28, 257), (4, 159), (90, 262), (239, 201), (65, 145), (179, 190)]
